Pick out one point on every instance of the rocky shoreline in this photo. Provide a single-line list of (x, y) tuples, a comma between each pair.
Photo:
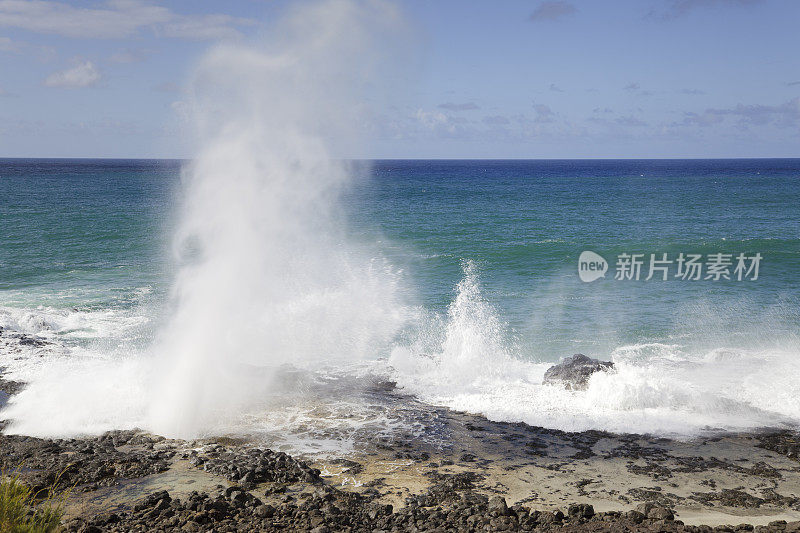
[(464, 473), (121, 481), (270, 491)]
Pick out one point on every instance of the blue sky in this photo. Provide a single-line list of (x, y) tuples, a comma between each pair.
[(529, 79)]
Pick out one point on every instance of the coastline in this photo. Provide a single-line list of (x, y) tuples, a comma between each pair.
[(586, 481)]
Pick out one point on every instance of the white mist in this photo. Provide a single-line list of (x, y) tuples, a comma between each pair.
[(267, 275), (270, 276)]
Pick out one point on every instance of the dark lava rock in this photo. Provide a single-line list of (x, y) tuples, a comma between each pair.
[(10, 387), (729, 498), (82, 464), (28, 340), (573, 372), (783, 442), (655, 512), (251, 466), (497, 504), (451, 505), (580, 511)]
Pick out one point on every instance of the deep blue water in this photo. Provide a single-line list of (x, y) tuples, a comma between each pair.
[(94, 234)]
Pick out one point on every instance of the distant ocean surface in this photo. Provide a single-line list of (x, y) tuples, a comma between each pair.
[(488, 250)]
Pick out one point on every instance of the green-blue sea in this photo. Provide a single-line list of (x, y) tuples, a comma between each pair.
[(486, 256)]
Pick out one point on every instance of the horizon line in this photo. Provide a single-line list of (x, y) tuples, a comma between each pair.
[(82, 158)]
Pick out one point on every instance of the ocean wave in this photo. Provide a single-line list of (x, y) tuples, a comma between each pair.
[(70, 323), (658, 388)]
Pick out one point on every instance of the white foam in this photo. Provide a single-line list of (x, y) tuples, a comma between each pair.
[(665, 389)]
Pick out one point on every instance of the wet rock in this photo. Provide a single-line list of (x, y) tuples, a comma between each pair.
[(783, 442), (191, 527), (82, 463), (661, 513), (497, 504), (729, 498), (264, 511), (252, 466), (581, 511), (10, 387), (29, 340), (635, 516), (573, 372)]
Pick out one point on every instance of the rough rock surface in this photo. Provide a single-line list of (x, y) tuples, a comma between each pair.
[(251, 466), (450, 505), (573, 372), (85, 464)]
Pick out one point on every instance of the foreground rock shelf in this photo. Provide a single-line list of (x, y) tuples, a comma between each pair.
[(462, 472), (133, 481)]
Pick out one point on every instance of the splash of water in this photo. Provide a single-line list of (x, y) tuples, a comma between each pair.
[(664, 389), (268, 275), (273, 278)]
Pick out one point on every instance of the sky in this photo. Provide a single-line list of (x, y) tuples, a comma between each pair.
[(510, 79)]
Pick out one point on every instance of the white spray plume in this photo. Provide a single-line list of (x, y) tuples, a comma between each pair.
[(267, 274), (272, 278)]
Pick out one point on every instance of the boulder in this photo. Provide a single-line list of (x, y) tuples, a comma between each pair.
[(497, 504), (655, 512), (573, 372), (580, 511)]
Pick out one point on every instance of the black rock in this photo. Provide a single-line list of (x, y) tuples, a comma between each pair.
[(498, 505), (655, 512), (573, 372), (580, 511)]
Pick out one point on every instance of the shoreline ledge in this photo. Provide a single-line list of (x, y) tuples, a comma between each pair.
[(489, 476)]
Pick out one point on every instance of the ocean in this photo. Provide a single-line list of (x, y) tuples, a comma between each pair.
[(458, 280)]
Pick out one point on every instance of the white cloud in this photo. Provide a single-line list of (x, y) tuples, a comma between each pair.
[(678, 8), (786, 115), (115, 19), (83, 74), (167, 87), (181, 109), (543, 113), (10, 46), (496, 120), (436, 121)]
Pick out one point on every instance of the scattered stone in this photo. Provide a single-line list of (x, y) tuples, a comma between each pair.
[(497, 504), (580, 511), (729, 498), (573, 372), (783, 442), (252, 466)]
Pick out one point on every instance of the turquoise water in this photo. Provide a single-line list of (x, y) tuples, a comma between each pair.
[(525, 224), (484, 255), (95, 234), (83, 232)]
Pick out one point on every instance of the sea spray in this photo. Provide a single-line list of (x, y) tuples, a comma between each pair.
[(468, 363), (272, 277), (267, 275), (463, 352)]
